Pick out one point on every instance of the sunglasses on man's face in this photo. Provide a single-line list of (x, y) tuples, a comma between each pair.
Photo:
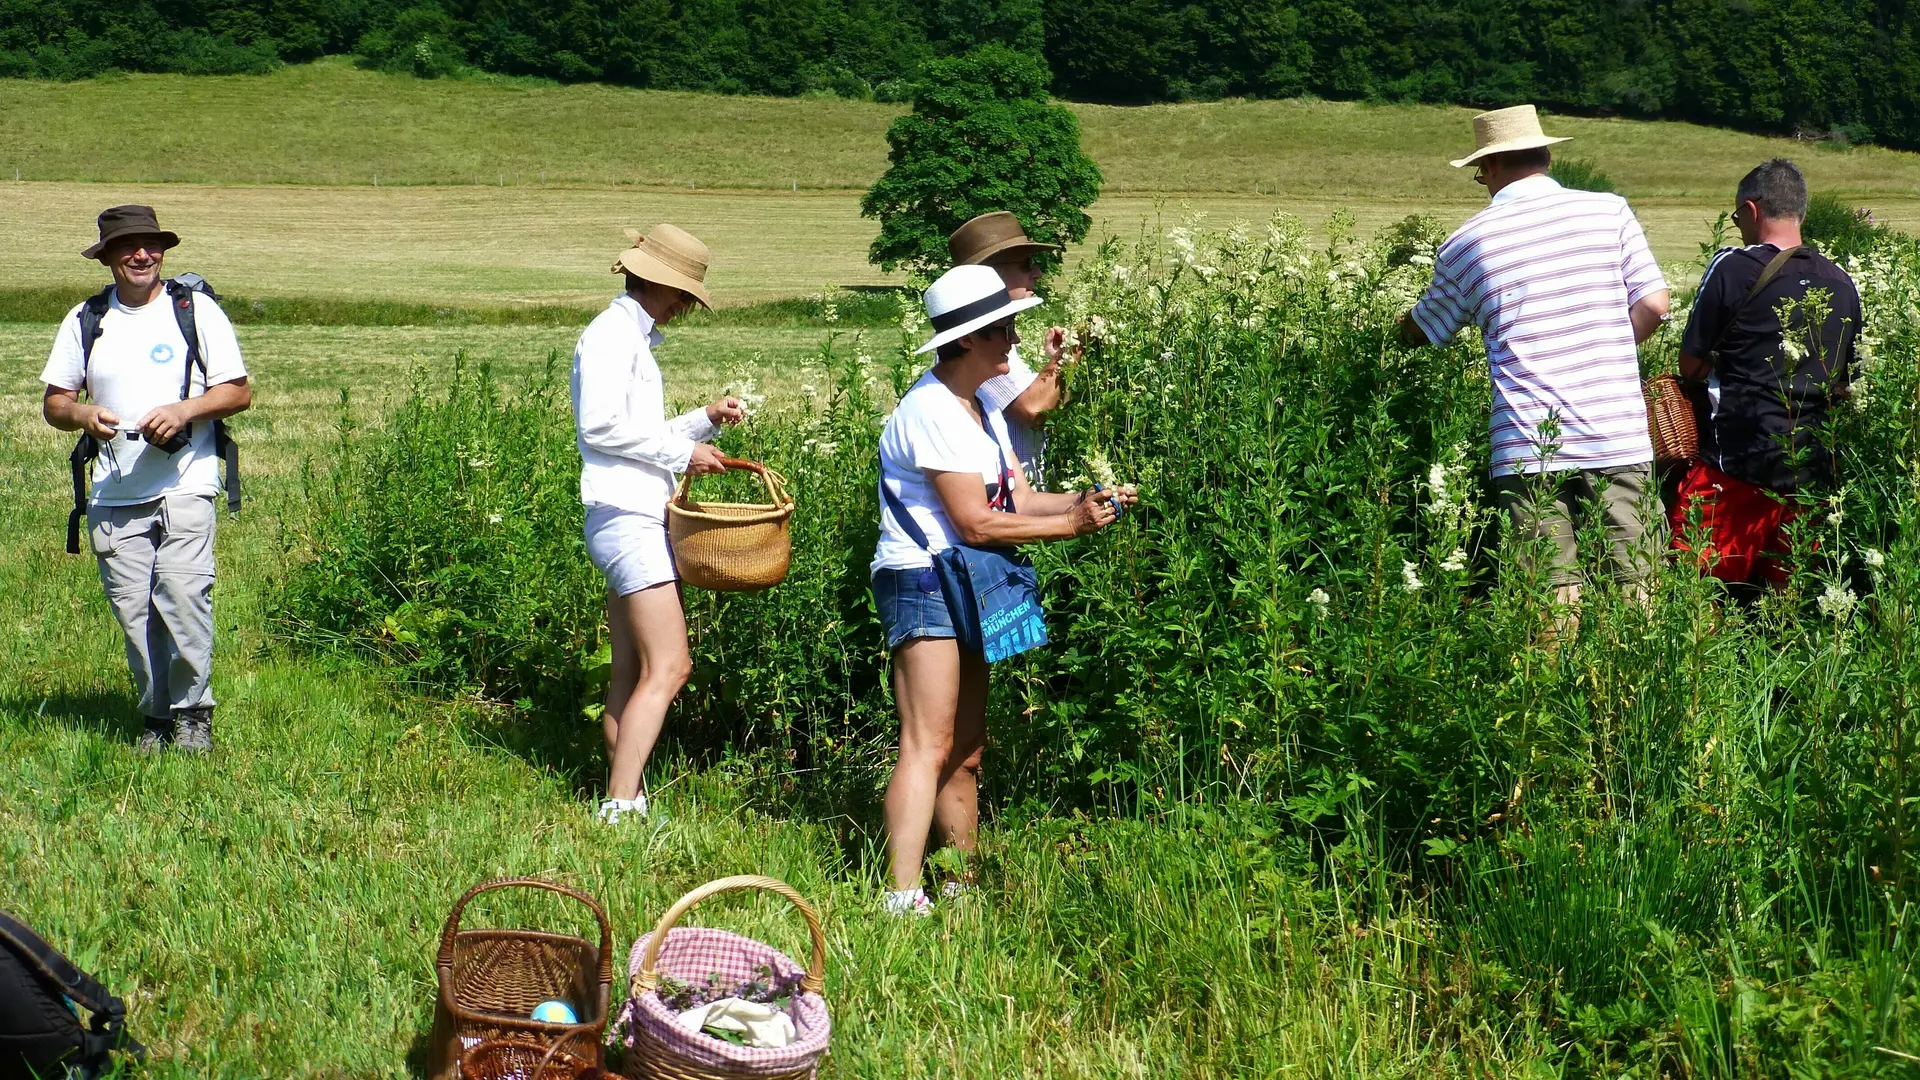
[(999, 329)]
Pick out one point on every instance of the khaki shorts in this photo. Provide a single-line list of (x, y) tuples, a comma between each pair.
[(1556, 506)]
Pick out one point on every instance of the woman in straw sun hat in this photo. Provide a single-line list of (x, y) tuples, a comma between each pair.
[(630, 451), (945, 480)]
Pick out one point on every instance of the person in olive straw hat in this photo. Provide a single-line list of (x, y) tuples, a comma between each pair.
[(150, 509), (630, 452), (1563, 288), (1023, 396)]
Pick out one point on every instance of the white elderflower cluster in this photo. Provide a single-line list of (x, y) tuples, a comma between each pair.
[(1319, 599), (1410, 577)]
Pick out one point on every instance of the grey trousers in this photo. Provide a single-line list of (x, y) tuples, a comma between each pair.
[(156, 564)]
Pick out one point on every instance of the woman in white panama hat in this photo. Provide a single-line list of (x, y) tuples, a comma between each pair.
[(944, 461), (630, 451)]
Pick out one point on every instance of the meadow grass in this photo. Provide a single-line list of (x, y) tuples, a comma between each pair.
[(512, 193), (272, 911), (330, 123), (527, 247)]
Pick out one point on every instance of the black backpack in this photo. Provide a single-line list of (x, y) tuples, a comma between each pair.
[(41, 1035), (180, 292)]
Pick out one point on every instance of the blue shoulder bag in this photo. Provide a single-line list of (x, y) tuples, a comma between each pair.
[(992, 594)]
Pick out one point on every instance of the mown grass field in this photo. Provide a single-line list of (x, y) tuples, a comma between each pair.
[(324, 180)]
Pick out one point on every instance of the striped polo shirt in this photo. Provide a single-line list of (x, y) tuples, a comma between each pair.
[(1548, 275)]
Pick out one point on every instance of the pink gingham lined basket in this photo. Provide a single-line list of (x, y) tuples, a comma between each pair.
[(658, 1048)]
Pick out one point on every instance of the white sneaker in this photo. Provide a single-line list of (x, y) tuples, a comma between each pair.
[(914, 902), (613, 810)]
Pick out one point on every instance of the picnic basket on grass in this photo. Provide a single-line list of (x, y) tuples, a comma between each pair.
[(1676, 436), (491, 981), (732, 547), (658, 1048)]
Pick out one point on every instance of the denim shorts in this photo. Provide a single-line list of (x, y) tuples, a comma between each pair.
[(911, 605)]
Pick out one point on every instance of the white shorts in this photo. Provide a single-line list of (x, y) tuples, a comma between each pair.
[(631, 549)]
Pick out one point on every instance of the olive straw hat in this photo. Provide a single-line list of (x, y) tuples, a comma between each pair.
[(1503, 131), (132, 220), (667, 255), (989, 236)]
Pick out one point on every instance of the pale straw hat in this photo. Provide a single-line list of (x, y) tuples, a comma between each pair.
[(1504, 130), (965, 299), (667, 255)]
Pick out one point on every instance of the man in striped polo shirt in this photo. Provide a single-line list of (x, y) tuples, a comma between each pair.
[(1563, 288)]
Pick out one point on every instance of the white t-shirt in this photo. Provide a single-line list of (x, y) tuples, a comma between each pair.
[(931, 429), (137, 365), (1029, 444)]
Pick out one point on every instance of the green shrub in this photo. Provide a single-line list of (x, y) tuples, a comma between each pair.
[(1581, 174), (1841, 229), (982, 136), (447, 544)]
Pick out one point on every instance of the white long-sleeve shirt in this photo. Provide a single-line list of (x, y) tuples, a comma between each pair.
[(629, 450)]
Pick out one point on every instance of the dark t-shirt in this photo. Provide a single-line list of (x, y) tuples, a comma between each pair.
[(1760, 402)]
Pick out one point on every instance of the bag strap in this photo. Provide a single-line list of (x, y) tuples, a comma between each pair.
[(1771, 271), (91, 313), (84, 451), (181, 296), (109, 1013), (899, 510)]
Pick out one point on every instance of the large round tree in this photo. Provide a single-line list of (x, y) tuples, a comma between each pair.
[(982, 136)]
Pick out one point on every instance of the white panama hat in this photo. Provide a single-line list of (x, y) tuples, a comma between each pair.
[(965, 299), (1504, 130)]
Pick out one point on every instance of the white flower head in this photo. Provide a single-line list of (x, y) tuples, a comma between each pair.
[(1874, 558), (493, 519), (1837, 602), (1410, 577), (1455, 561), (1319, 598)]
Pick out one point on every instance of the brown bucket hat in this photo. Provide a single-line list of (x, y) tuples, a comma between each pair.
[(667, 255), (133, 220), (989, 236)]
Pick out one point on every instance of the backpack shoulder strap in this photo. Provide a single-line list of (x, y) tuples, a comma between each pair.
[(34, 951), (91, 312), (180, 295)]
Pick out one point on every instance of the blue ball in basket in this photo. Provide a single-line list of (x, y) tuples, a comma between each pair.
[(555, 1012)]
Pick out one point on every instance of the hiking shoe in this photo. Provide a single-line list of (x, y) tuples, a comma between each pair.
[(193, 730), (907, 902), (614, 811), (155, 737)]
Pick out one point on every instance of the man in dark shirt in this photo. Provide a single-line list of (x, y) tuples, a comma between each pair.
[(1762, 391)]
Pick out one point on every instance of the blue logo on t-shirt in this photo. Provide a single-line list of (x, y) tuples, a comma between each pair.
[(162, 353)]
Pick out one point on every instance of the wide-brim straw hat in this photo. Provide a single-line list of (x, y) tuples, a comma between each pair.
[(965, 299), (667, 255), (1505, 130), (132, 220), (989, 236)]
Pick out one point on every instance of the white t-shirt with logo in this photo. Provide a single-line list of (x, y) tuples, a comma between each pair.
[(138, 363), (931, 430)]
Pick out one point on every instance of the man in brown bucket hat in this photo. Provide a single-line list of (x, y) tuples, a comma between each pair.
[(630, 453), (154, 398), (1023, 396)]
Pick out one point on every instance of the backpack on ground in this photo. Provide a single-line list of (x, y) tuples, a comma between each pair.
[(180, 292), (41, 1034)]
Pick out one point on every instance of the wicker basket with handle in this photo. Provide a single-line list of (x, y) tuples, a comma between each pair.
[(509, 1059), (732, 547), (658, 1048), (491, 981), (1676, 436)]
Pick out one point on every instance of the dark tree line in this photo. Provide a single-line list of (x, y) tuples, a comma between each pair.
[(1825, 66)]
